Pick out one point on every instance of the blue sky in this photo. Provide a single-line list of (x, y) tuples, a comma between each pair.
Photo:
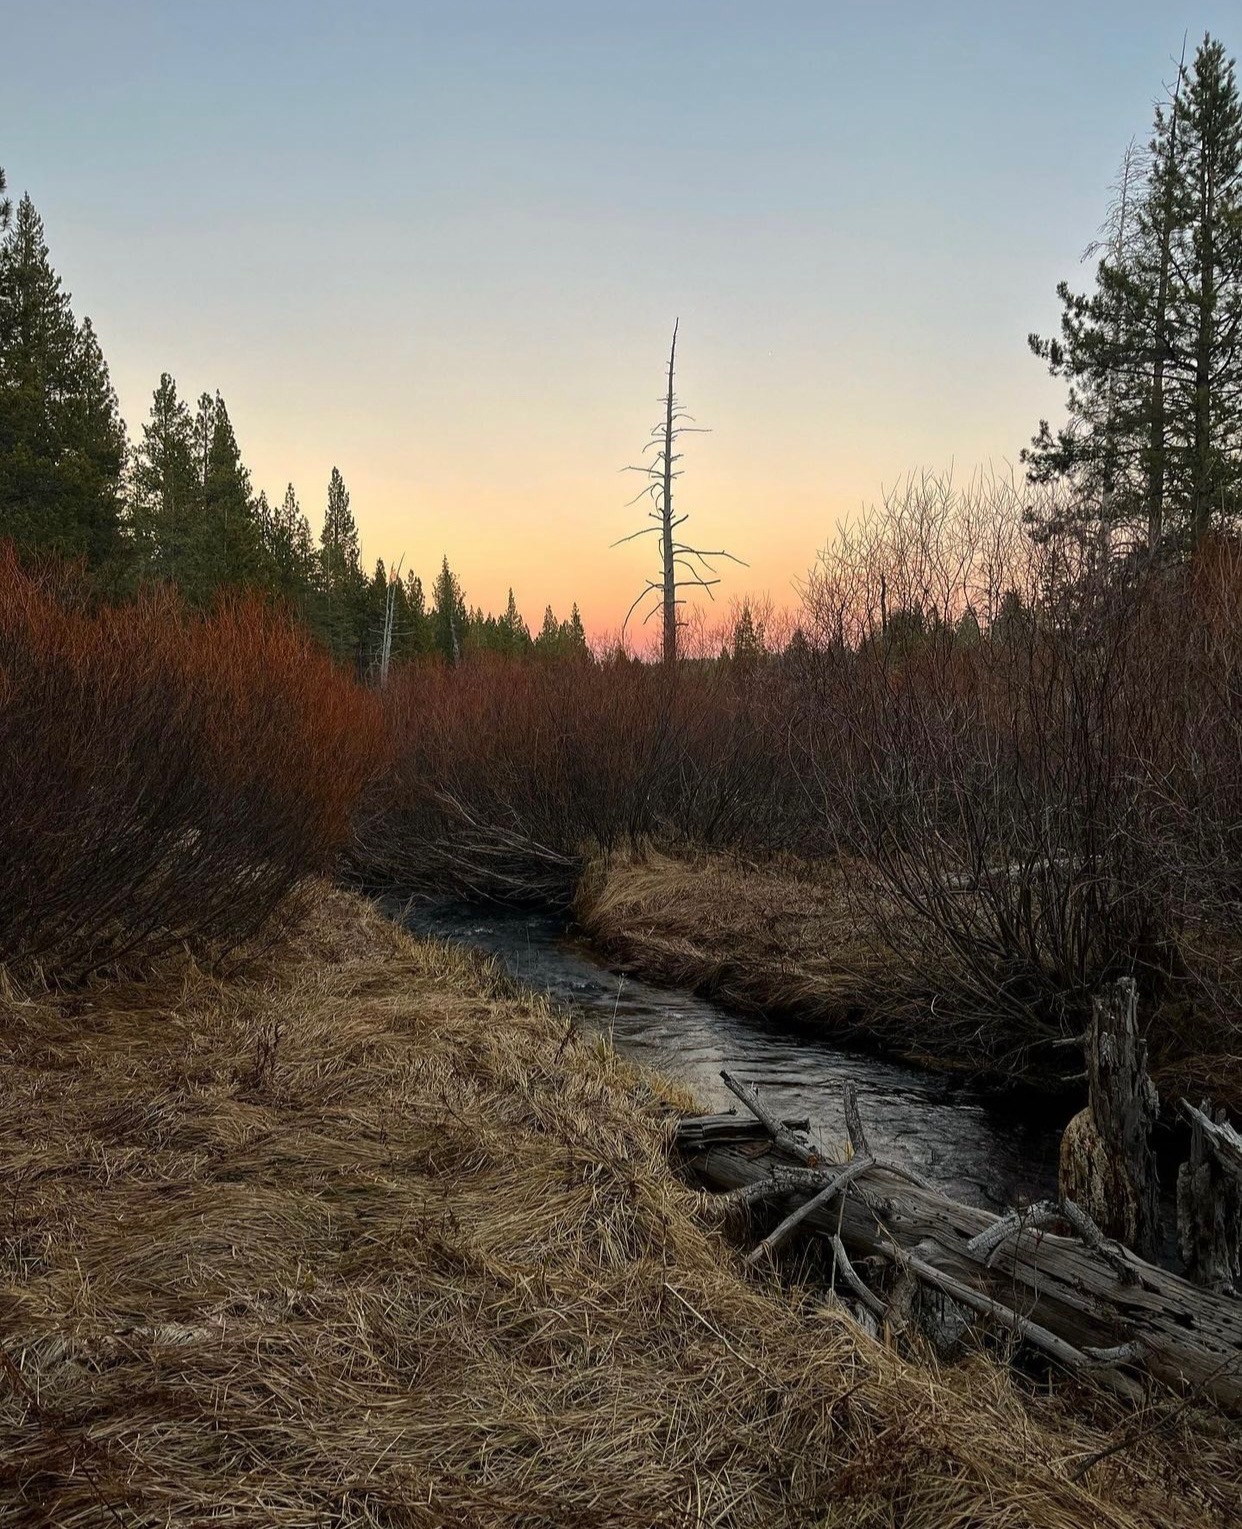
[(442, 245)]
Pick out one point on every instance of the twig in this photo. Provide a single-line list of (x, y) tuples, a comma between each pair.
[(851, 1276), (781, 1233), (783, 1138)]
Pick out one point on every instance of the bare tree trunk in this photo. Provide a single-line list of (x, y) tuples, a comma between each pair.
[(1156, 447), (1205, 341), (666, 511), (682, 565), (1209, 1202)]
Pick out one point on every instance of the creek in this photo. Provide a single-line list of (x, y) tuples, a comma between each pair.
[(975, 1146)]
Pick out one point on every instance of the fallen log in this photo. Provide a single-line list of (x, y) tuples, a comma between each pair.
[(1096, 1306)]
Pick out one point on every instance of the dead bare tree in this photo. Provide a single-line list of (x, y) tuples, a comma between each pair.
[(681, 565)]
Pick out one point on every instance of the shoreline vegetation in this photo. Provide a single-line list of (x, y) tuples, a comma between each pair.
[(306, 1221), (363, 1234)]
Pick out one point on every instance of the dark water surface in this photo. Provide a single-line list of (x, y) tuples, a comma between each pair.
[(974, 1147)]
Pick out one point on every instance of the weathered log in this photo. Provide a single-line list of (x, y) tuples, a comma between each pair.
[(835, 1186), (1209, 1202), (1176, 1332), (1107, 1163)]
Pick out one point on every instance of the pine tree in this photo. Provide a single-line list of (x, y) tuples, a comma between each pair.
[(448, 615), (415, 638), (548, 642), (225, 547), (748, 646), (1100, 448), (290, 552), (1209, 296), (375, 612), (62, 443), (165, 485), (6, 206), (343, 585), (1153, 355), (513, 635), (574, 633)]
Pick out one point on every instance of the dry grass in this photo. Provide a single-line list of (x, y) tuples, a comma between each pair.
[(366, 1239)]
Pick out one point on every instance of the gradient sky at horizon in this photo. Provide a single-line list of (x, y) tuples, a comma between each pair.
[(442, 246)]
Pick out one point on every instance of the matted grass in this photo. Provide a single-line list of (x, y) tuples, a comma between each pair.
[(365, 1238)]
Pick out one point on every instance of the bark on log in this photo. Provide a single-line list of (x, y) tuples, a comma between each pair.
[(1177, 1332), (1107, 1163)]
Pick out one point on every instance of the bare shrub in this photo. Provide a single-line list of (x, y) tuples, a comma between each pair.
[(1032, 751), (508, 775)]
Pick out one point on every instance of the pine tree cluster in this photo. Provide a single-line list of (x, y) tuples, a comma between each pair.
[(1151, 452), (179, 507)]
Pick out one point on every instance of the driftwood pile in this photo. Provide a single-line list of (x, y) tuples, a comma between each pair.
[(1056, 1275)]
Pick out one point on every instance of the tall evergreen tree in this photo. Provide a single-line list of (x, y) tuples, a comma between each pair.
[(290, 551), (575, 636), (343, 584), (1153, 355), (225, 544), (748, 644), (513, 633), (414, 638), (448, 615), (548, 642), (1209, 293), (165, 485), (62, 443)]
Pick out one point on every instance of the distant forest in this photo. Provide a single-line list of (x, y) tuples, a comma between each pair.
[(178, 506)]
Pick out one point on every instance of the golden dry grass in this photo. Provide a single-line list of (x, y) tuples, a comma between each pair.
[(365, 1238)]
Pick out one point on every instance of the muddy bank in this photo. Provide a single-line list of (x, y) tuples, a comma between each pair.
[(366, 1235)]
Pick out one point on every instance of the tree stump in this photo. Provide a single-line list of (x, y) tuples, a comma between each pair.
[(1209, 1202), (1107, 1164)]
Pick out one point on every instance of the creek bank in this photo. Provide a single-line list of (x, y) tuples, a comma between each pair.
[(973, 1145), (363, 1234)]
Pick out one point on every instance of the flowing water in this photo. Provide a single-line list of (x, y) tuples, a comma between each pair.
[(975, 1147)]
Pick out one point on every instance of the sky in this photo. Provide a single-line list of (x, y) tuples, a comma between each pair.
[(442, 246)]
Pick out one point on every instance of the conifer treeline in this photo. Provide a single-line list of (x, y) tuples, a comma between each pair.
[(180, 507)]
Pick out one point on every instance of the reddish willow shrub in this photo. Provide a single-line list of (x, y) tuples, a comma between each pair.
[(164, 777), (506, 774)]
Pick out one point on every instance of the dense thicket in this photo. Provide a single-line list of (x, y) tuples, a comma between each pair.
[(165, 775)]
